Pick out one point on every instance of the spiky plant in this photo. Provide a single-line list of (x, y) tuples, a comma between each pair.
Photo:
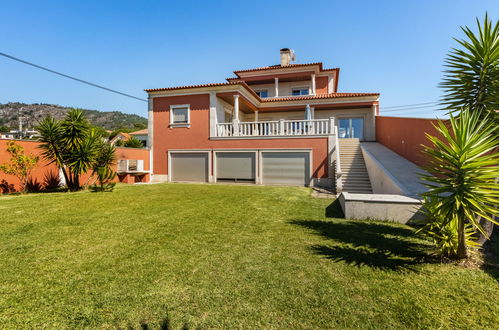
[(462, 171), (73, 145), (472, 72)]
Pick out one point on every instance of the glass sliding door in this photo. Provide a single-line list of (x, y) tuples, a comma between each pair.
[(351, 128)]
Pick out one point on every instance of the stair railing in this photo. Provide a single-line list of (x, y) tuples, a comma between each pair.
[(338, 173)]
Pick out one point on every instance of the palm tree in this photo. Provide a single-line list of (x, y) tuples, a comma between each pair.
[(472, 79), (472, 73), (73, 145), (133, 142), (462, 175)]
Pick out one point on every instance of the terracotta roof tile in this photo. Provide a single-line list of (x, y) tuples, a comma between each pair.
[(189, 86), (319, 96), (141, 132), (278, 66)]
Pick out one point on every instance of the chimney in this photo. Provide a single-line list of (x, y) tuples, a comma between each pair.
[(287, 56)]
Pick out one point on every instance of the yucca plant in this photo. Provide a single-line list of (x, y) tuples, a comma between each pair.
[(472, 72), (463, 167), (105, 177), (73, 145), (444, 233), (472, 79)]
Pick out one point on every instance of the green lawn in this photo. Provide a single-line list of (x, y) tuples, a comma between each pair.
[(223, 256)]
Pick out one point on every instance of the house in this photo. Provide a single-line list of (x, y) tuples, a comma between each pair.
[(20, 134), (281, 124), (121, 136), (141, 136)]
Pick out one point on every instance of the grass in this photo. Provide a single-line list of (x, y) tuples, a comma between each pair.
[(223, 256)]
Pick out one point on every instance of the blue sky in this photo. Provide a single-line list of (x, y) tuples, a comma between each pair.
[(393, 47)]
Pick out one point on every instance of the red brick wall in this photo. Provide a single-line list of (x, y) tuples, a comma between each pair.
[(197, 136), (44, 168), (405, 136)]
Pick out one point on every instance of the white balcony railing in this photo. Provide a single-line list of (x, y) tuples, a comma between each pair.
[(277, 128)]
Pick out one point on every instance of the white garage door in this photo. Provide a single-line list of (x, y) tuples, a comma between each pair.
[(189, 166), (235, 166), (286, 168)]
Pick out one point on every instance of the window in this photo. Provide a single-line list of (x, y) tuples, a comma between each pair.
[(179, 115), (299, 91), (263, 93)]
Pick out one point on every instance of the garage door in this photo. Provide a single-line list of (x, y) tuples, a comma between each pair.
[(187, 166), (236, 166), (287, 168)]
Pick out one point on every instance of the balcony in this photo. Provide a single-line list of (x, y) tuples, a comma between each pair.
[(277, 128)]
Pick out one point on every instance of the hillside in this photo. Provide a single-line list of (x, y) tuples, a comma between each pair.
[(112, 120)]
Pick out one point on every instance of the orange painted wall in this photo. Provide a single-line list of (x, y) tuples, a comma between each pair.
[(197, 136), (321, 85), (405, 136), (43, 167)]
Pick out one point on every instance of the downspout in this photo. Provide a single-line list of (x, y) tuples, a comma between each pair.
[(150, 130)]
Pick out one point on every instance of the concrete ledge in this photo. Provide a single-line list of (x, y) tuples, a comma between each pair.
[(397, 208), (157, 178)]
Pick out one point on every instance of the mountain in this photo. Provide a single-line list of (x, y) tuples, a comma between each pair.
[(33, 113)]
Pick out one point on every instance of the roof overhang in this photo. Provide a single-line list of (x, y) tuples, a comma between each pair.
[(250, 101)]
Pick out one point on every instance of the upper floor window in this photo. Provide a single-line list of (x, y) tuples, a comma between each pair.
[(262, 93), (180, 115), (299, 91)]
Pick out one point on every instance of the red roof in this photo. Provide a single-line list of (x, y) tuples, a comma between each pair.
[(190, 86), (319, 96), (278, 66), (141, 132)]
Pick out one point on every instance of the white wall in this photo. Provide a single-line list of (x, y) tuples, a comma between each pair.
[(284, 87), (382, 182)]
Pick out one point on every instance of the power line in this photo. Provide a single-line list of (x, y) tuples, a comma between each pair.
[(411, 105), (70, 77), (413, 108)]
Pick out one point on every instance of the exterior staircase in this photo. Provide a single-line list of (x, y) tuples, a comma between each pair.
[(354, 178)]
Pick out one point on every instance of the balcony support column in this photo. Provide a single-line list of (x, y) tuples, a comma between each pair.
[(213, 114), (313, 84), (276, 83), (235, 119)]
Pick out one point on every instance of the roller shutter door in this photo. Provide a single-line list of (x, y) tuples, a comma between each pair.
[(187, 166), (236, 166), (286, 168)]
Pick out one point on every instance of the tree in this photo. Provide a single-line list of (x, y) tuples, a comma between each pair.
[(72, 144), (472, 79), (133, 142), (462, 179), (472, 73), (20, 164)]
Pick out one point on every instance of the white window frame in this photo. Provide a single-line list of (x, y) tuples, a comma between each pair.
[(300, 89), (179, 106), (262, 90)]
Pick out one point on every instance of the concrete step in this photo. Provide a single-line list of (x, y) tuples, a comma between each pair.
[(355, 178)]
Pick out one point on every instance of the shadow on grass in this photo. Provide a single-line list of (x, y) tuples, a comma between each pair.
[(373, 244), (491, 254), (165, 324), (334, 210)]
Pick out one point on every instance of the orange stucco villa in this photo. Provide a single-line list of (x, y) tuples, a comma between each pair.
[(280, 124)]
